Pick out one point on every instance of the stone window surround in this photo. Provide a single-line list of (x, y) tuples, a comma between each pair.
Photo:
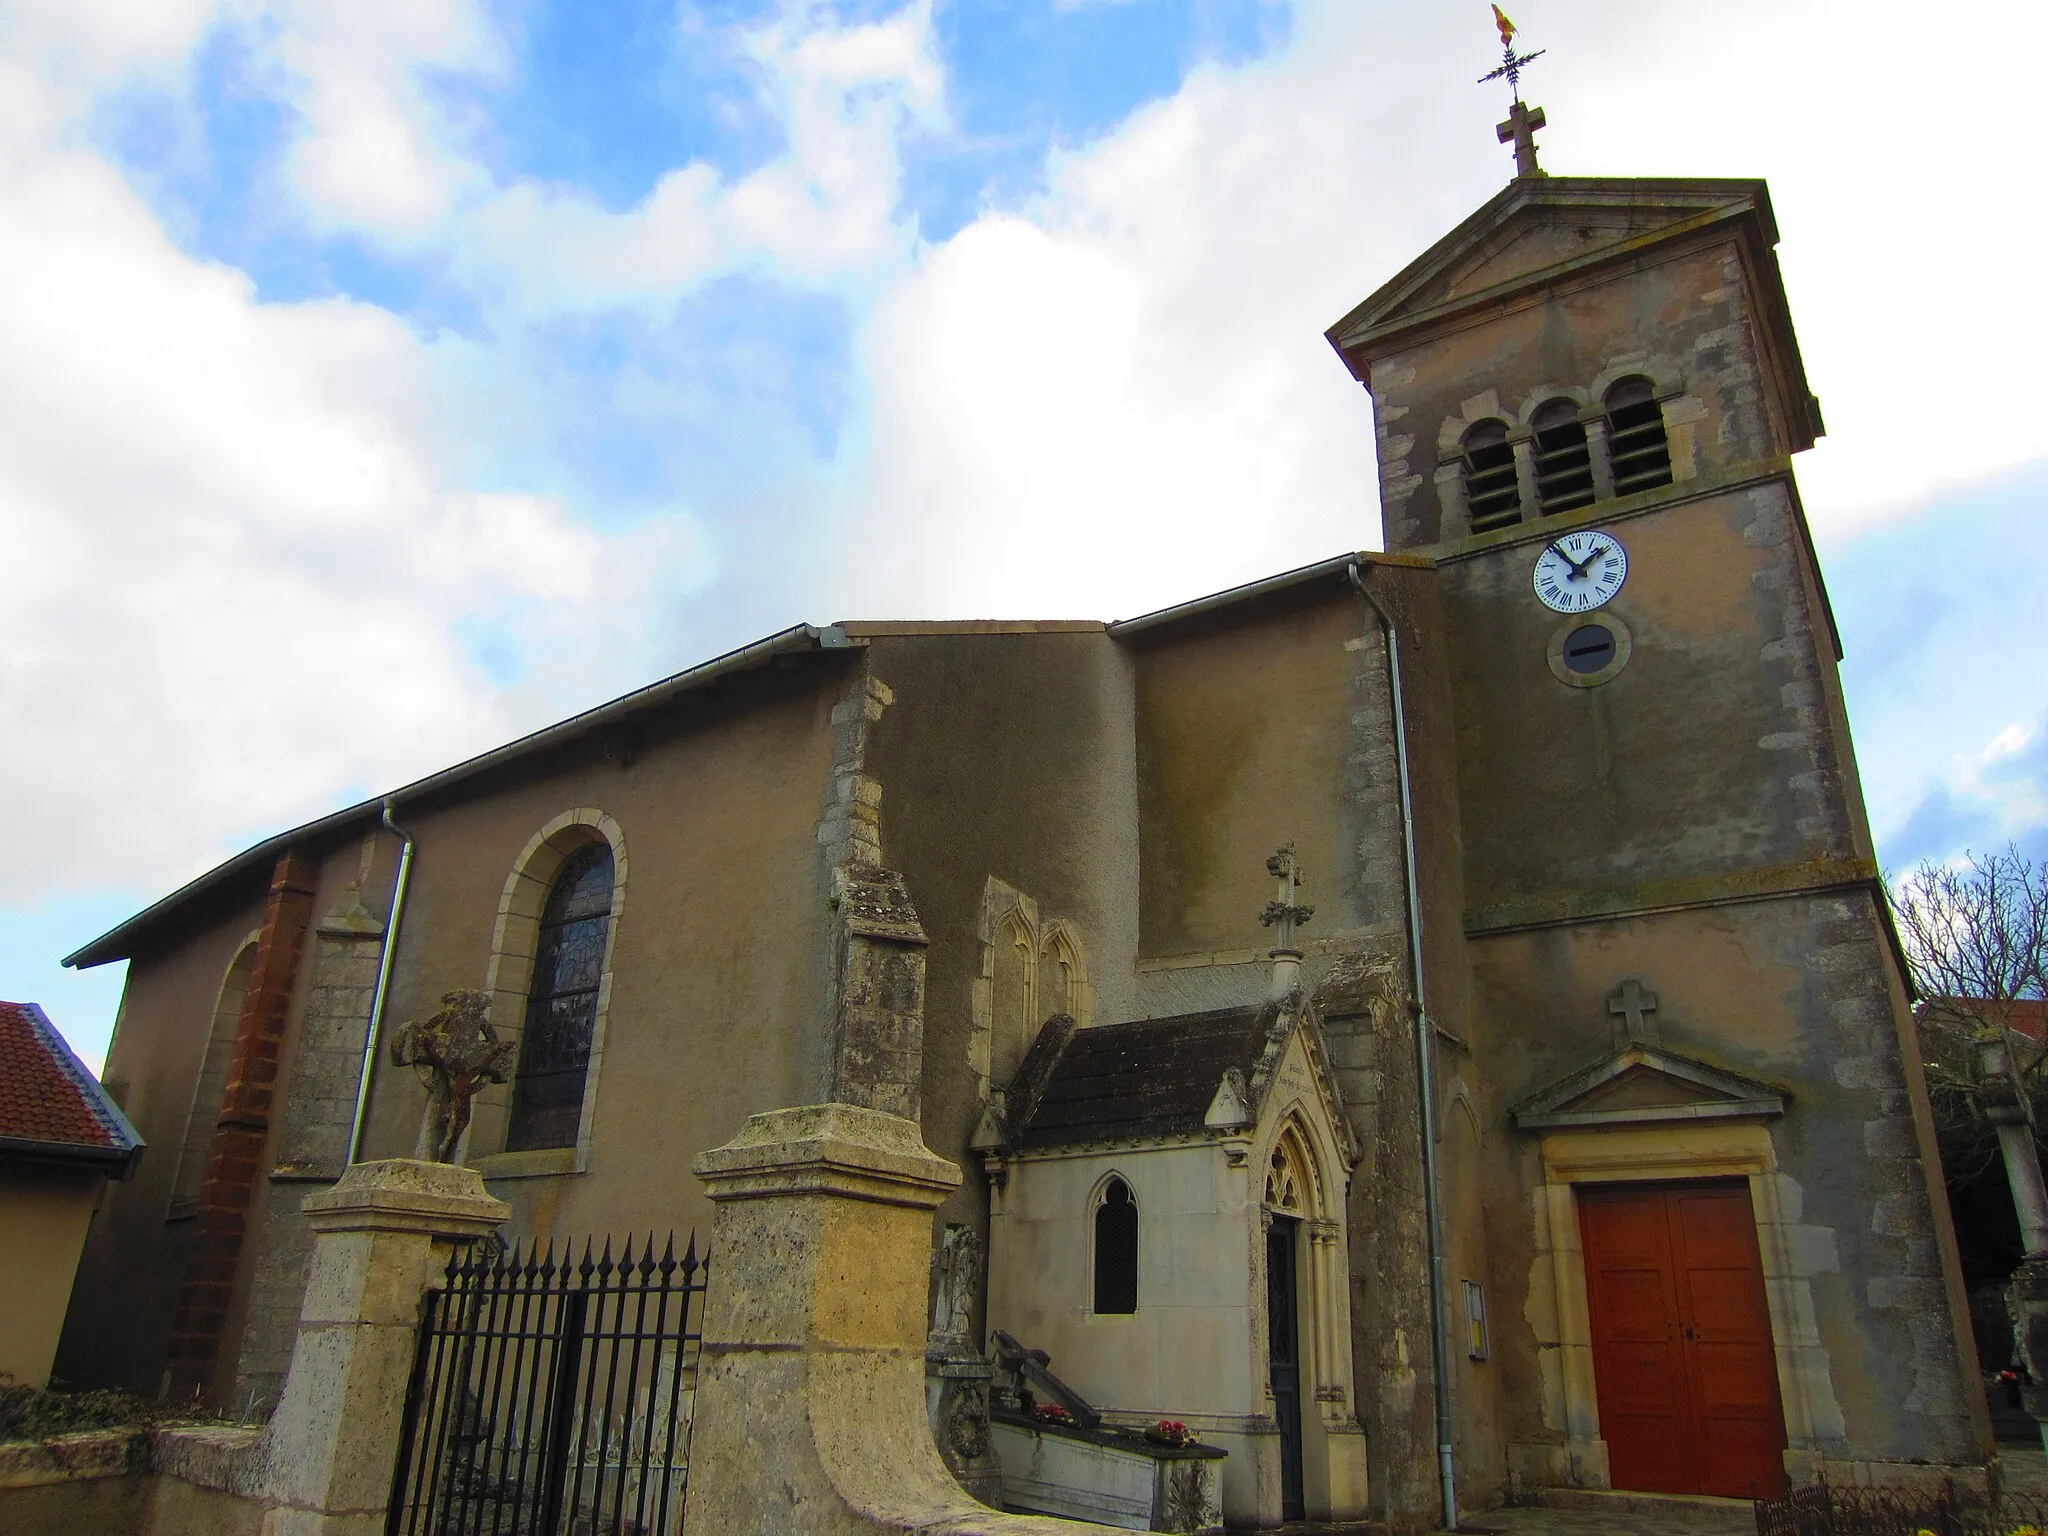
[(1008, 916), (1322, 1264), (1096, 1198), (1557, 1309), (1591, 400), (514, 940)]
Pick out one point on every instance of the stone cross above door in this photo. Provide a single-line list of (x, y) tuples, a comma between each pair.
[(1633, 1003)]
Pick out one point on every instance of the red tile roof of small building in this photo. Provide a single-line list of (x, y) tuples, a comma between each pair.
[(50, 1103), (2027, 1015)]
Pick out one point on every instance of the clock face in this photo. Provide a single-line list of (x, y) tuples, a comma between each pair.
[(1580, 571)]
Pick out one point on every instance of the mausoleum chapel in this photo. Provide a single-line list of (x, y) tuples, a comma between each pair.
[(1416, 1030)]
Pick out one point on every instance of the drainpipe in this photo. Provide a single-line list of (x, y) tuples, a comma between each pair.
[(1425, 1073), (383, 992)]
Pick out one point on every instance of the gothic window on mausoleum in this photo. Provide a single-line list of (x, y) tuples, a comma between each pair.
[(1116, 1250), (561, 1004), (1287, 1176), (1564, 467), (1636, 444), (1492, 498)]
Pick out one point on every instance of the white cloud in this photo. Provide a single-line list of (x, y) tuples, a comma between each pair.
[(1114, 398), (372, 152), (1120, 395), (234, 576)]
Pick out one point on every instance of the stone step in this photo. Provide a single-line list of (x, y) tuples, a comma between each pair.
[(1692, 1512)]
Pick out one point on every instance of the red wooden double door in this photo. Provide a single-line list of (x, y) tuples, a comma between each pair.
[(1683, 1361)]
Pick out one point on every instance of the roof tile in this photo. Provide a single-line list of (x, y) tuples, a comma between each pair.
[(48, 1096)]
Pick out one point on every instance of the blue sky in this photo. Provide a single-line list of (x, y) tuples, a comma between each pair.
[(483, 358)]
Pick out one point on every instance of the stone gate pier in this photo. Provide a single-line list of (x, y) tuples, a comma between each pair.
[(811, 1415)]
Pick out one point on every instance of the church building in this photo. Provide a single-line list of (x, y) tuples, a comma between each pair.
[(1545, 1113)]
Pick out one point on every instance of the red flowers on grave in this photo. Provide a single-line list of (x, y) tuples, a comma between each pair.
[(1051, 1413), (1169, 1432)]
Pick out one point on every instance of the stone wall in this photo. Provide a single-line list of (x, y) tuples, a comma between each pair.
[(311, 1144)]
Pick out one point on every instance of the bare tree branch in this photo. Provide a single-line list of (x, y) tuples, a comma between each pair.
[(1976, 939)]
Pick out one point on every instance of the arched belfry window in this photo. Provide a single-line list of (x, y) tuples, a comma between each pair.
[(1636, 444), (1492, 498), (1116, 1249), (561, 1004), (1564, 467)]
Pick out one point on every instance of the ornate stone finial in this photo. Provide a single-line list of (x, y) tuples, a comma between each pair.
[(455, 1051), (1285, 912), (1523, 121)]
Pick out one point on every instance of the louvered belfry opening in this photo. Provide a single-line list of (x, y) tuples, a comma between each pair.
[(1492, 498), (1636, 444), (1116, 1250), (561, 1004), (1564, 466)]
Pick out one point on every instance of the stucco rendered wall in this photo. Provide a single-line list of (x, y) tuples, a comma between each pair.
[(717, 999), (127, 1289), (1007, 753), (1792, 991), (717, 1008), (44, 1212)]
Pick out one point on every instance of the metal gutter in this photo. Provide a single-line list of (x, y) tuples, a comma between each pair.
[(115, 943), (387, 955), (120, 1160)]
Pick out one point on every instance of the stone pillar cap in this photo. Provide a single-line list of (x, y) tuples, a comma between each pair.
[(403, 1194), (840, 1149)]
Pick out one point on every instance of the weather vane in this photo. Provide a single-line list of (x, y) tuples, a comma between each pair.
[(1520, 128)]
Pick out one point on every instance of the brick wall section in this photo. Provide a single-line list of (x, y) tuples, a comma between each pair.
[(241, 1134)]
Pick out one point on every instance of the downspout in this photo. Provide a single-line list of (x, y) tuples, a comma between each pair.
[(1425, 1074), (385, 961)]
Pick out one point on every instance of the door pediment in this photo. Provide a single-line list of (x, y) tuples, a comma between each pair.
[(1642, 1085)]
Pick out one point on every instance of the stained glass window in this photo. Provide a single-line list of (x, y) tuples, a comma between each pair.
[(561, 1004)]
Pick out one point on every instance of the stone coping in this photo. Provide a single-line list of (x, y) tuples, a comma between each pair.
[(221, 1456), (839, 1149), (1132, 1440), (406, 1194)]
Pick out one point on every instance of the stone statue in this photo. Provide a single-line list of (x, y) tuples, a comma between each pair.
[(956, 1372), (455, 1051), (955, 1284)]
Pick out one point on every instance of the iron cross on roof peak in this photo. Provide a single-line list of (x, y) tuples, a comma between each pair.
[(1523, 121)]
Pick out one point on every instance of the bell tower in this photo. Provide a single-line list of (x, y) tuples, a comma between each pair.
[(1588, 397)]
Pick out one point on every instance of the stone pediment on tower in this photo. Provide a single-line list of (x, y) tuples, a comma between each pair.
[(1542, 231), (1644, 1085)]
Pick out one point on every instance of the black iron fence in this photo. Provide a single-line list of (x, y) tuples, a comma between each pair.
[(1827, 1510), (552, 1397)]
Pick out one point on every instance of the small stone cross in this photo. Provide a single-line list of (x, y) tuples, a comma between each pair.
[(1635, 1003), (1520, 130), (1285, 911)]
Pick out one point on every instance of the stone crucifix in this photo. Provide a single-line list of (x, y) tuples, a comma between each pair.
[(456, 1052)]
